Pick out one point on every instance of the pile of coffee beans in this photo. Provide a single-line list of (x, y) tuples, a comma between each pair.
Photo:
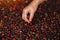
[(44, 26)]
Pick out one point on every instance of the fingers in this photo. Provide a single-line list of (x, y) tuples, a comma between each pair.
[(24, 15), (31, 16), (26, 19)]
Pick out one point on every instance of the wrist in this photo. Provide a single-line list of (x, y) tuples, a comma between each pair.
[(38, 1), (34, 3)]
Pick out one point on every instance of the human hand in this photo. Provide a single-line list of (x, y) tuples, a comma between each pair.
[(31, 9)]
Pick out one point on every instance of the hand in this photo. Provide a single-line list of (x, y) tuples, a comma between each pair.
[(31, 10)]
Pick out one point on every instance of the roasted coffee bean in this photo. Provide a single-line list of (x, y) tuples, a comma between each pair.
[(44, 26)]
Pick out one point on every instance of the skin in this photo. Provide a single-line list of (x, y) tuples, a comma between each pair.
[(31, 9)]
